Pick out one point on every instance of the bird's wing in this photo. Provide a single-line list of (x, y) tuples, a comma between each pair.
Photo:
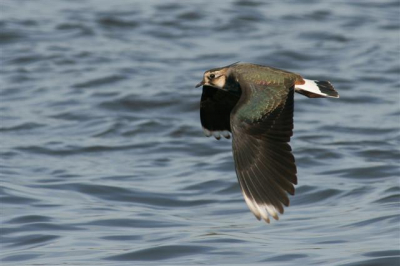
[(215, 109), (262, 124)]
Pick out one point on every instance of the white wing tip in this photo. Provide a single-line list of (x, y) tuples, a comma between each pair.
[(217, 133), (261, 210)]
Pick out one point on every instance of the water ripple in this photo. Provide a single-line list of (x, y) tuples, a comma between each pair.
[(103, 160), (161, 253)]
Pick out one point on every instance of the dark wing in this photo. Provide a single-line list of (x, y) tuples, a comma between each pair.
[(262, 126), (215, 109)]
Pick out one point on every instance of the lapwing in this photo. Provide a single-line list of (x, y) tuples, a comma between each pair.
[(254, 104)]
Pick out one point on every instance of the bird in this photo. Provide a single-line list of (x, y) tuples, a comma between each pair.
[(254, 104)]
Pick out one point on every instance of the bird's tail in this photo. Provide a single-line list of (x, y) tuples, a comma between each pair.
[(316, 89)]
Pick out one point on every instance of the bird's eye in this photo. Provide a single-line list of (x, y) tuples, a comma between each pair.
[(212, 76)]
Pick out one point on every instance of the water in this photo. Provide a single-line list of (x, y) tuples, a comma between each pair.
[(103, 160)]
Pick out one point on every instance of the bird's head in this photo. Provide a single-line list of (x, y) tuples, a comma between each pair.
[(215, 78)]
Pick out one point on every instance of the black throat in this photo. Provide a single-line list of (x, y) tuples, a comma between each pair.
[(232, 86)]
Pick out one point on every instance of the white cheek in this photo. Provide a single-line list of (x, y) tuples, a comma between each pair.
[(220, 83)]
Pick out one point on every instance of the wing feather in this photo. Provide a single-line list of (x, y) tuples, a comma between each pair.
[(264, 163), (215, 109)]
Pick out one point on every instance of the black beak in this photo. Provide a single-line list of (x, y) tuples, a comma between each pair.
[(200, 84)]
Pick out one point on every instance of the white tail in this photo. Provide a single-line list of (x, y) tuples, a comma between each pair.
[(317, 89)]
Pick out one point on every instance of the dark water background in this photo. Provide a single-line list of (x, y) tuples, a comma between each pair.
[(103, 160)]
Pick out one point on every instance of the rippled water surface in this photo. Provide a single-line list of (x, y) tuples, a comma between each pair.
[(103, 160)]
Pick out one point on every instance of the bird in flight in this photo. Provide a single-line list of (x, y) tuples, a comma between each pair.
[(254, 104)]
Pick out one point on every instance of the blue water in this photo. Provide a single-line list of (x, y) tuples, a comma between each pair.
[(103, 160)]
